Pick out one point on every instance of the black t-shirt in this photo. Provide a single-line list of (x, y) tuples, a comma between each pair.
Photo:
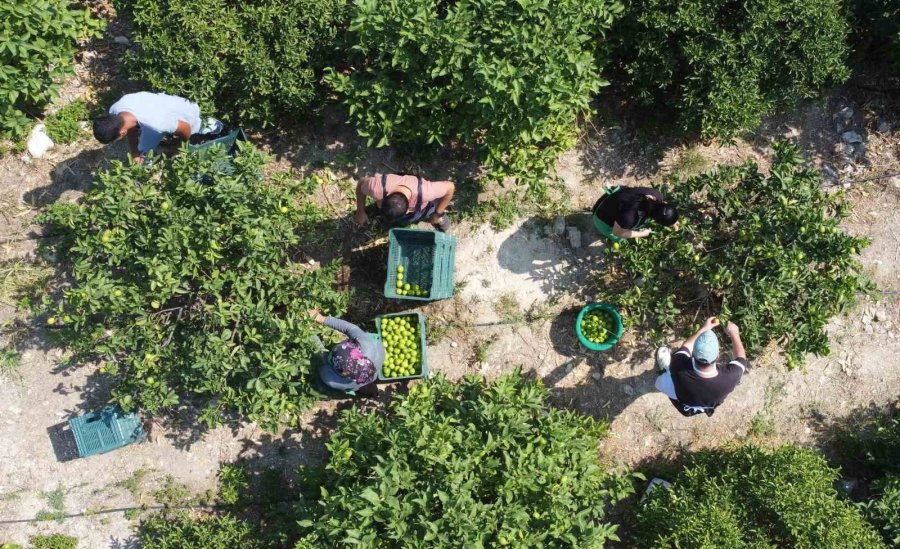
[(697, 394), (625, 206)]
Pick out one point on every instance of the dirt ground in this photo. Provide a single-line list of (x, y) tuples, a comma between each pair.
[(519, 290)]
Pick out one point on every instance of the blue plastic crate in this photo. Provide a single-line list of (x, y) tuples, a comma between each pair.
[(105, 430)]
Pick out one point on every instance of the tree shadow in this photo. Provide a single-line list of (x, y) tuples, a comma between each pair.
[(598, 394), (549, 260), (75, 174)]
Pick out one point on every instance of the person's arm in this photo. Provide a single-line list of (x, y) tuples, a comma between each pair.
[(737, 346), (628, 233), (133, 135), (711, 323), (367, 345), (183, 130), (360, 217), (441, 208)]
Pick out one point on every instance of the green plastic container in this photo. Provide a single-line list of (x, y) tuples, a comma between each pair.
[(422, 346), (609, 343), (228, 141), (105, 430), (428, 259)]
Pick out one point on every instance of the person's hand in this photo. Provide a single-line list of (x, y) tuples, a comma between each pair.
[(711, 323), (732, 330), (316, 315), (644, 233), (361, 218), (138, 159)]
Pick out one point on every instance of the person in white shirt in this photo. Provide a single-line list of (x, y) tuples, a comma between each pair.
[(144, 117)]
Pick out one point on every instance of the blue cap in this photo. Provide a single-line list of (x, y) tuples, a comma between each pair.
[(706, 348)]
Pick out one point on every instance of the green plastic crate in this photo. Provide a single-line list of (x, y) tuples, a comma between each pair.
[(609, 343), (105, 430), (428, 259), (229, 141), (422, 346)]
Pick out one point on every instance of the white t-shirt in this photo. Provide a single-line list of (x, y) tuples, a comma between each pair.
[(157, 114)]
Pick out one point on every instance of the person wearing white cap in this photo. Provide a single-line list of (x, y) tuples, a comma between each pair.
[(692, 380)]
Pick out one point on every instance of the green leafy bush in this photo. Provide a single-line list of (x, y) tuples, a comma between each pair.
[(883, 509), (724, 65), (38, 41), (465, 465), (877, 30), (751, 497), (868, 447), (254, 62), (64, 126), (509, 77), (182, 531), (184, 281), (54, 541), (765, 251)]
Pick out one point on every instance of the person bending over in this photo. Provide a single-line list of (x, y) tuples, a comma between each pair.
[(145, 117), (623, 212), (693, 381), (353, 364), (405, 199)]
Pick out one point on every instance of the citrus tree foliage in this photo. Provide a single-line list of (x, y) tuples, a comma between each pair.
[(254, 61), (877, 30), (184, 282), (724, 65), (182, 531), (765, 251), (507, 76), (868, 446), (38, 41), (749, 497), (465, 465)]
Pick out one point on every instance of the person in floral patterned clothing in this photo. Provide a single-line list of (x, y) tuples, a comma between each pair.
[(353, 364)]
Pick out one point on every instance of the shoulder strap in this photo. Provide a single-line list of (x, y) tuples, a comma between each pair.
[(383, 186), (419, 195)]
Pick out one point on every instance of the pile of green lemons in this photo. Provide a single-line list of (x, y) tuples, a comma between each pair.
[(598, 326), (400, 336), (405, 288)]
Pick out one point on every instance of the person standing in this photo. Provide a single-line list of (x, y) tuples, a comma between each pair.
[(145, 117), (405, 199), (623, 212), (353, 364), (692, 380)]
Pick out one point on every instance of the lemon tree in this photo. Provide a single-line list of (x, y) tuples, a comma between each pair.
[(183, 280), (402, 343), (470, 464), (766, 251)]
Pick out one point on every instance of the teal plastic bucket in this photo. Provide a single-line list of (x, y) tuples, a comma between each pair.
[(609, 343)]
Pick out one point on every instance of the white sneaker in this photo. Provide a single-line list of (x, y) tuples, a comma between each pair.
[(663, 358)]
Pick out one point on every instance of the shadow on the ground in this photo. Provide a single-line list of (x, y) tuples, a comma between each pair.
[(75, 174), (597, 394)]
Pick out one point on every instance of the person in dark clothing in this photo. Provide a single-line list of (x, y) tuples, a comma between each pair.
[(353, 364), (693, 381), (623, 212)]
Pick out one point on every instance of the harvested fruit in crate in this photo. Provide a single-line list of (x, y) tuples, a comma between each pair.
[(400, 336), (598, 326), (405, 288)]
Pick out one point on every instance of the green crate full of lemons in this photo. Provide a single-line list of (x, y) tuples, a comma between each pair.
[(403, 337), (420, 265)]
